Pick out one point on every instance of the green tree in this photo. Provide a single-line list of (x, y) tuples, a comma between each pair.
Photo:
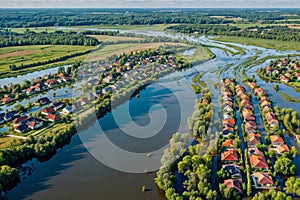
[(292, 186)]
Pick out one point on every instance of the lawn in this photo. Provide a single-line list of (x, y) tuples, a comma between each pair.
[(270, 44), (6, 141)]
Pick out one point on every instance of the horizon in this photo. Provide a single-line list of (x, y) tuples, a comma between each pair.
[(151, 4)]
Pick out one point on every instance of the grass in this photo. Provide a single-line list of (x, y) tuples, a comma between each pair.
[(289, 98), (270, 44), (240, 50), (6, 141), (117, 49), (201, 54), (35, 53), (107, 38), (227, 51)]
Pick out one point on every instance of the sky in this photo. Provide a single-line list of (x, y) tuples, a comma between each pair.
[(149, 3)]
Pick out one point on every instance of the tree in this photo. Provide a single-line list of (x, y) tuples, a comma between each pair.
[(293, 186), (272, 154), (285, 166)]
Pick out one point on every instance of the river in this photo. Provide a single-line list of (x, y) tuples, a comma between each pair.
[(75, 171)]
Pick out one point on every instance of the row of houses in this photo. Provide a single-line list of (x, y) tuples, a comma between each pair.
[(256, 157), (284, 70), (229, 156), (277, 142), (39, 85), (24, 123), (266, 107)]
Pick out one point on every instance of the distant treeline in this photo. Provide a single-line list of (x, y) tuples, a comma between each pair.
[(79, 17), (270, 32), (8, 38)]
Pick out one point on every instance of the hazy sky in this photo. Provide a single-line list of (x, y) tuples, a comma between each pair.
[(150, 3)]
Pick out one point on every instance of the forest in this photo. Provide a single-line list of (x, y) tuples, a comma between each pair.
[(9, 38), (282, 33), (76, 17)]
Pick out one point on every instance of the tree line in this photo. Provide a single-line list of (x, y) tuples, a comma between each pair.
[(283, 33), (9, 38)]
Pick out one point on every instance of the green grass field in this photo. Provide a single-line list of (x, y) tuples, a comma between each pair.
[(117, 49), (270, 44), (35, 53), (201, 54)]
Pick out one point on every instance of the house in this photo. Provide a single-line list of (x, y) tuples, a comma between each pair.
[(48, 110), (235, 184), (76, 106), (226, 132), (228, 123), (20, 120), (253, 141), (228, 109), (107, 89), (83, 101), (57, 105), (43, 101), (255, 151), (298, 138), (227, 143), (252, 85), (52, 118), (2, 118), (51, 83), (67, 110), (283, 78), (276, 140), (259, 92), (9, 116), (30, 91), (38, 87), (233, 170), (249, 117), (65, 79), (282, 149), (6, 99), (259, 162), (21, 128), (36, 124), (262, 180), (108, 79), (229, 156), (271, 119), (251, 125)]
